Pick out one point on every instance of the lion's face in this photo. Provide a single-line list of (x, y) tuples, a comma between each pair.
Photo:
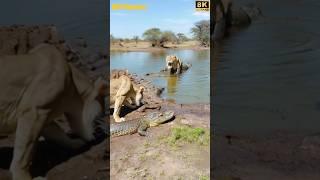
[(172, 63)]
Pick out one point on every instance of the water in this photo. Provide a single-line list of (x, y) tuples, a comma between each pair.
[(267, 75), (193, 86)]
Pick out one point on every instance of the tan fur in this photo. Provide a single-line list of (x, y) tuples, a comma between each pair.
[(122, 92), (38, 87), (173, 64)]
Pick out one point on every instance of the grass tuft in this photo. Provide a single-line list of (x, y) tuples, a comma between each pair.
[(203, 177), (185, 134)]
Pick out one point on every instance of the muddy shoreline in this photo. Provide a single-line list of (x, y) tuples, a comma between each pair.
[(279, 156), (154, 49), (138, 157), (146, 47)]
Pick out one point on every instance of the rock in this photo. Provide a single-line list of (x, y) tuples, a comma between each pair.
[(311, 143), (159, 91), (102, 54), (185, 121), (81, 42), (54, 36), (19, 39), (38, 35), (116, 73)]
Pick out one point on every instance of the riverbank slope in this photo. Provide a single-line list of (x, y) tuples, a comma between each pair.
[(146, 46)]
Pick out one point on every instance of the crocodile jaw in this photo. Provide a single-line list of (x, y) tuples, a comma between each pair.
[(163, 117)]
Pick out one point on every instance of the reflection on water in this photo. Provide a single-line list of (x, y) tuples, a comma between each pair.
[(172, 85), (267, 74), (190, 87)]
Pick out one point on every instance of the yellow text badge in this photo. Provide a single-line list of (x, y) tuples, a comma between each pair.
[(128, 7)]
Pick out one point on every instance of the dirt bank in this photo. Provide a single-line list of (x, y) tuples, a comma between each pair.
[(153, 157), (146, 46), (284, 155)]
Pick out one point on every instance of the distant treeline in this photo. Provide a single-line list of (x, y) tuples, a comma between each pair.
[(158, 38)]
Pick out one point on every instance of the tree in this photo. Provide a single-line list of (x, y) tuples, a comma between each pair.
[(120, 42), (153, 35), (136, 39), (112, 39), (167, 36), (181, 37), (201, 32)]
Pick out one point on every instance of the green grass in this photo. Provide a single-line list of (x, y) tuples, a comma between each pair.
[(143, 157), (203, 177), (147, 144), (184, 134)]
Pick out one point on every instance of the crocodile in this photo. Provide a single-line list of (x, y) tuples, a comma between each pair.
[(140, 125)]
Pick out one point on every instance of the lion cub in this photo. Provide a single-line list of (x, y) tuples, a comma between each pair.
[(174, 65), (122, 92)]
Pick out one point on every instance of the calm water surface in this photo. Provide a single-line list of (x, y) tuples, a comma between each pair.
[(190, 87), (267, 75)]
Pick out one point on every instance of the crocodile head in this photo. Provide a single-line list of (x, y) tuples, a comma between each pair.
[(156, 118)]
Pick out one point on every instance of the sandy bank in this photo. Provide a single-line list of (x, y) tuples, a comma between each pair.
[(138, 157), (146, 46)]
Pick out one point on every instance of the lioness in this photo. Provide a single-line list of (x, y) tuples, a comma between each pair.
[(38, 87), (174, 65), (122, 92)]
